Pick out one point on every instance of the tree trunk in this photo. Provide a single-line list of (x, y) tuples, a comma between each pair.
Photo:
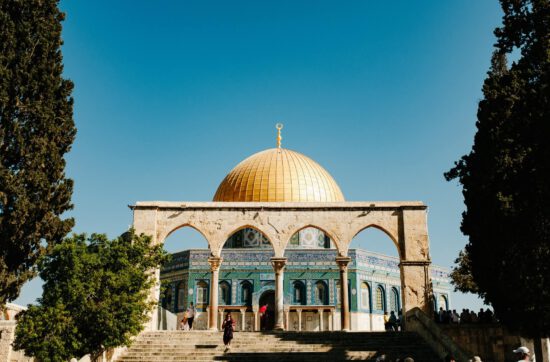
[(537, 342)]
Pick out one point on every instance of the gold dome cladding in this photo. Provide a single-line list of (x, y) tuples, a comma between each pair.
[(278, 175)]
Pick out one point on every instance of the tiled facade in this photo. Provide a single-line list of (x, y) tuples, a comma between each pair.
[(311, 280)]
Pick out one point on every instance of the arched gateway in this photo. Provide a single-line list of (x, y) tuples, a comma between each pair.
[(279, 193)]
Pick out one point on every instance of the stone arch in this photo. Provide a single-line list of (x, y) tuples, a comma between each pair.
[(393, 238), (330, 234), (227, 235), (169, 231)]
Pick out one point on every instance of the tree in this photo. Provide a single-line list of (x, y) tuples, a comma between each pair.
[(36, 131), (96, 297), (506, 177)]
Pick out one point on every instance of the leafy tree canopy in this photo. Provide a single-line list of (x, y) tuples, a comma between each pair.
[(36, 131), (506, 176), (96, 296)]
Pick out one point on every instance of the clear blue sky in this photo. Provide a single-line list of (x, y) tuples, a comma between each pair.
[(170, 95)]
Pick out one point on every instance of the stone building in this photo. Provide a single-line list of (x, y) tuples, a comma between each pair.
[(311, 286), (279, 232)]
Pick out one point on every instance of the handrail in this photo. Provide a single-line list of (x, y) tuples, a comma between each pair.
[(417, 321)]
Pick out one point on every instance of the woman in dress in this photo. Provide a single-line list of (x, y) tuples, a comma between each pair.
[(228, 327), (184, 326)]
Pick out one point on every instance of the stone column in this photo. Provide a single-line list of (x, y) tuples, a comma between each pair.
[(331, 320), (220, 318), (299, 311), (255, 309), (416, 288), (278, 267), (243, 318), (343, 262), (321, 324), (215, 263), (287, 319)]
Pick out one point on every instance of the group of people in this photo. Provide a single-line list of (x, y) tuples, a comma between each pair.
[(466, 317), (392, 322), (522, 353), (186, 323)]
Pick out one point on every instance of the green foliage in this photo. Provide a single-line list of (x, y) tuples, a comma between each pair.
[(36, 130), (96, 296), (506, 176), (461, 276)]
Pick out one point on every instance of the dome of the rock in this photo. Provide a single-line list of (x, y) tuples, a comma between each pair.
[(278, 175)]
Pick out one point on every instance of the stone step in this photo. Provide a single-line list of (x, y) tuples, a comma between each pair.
[(167, 346)]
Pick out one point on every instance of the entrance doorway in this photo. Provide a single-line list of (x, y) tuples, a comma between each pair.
[(267, 319)]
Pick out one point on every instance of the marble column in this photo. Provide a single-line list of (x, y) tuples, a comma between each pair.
[(255, 310), (220, 318), (278, 268), (331, 320), (299, 311), (343, 262), (287, 319), (321, 322), (243, 318), (215, 263)]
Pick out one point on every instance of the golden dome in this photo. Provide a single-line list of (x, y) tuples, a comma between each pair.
[(279, 175)]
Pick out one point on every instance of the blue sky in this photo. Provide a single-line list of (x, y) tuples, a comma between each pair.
[(170, 95)]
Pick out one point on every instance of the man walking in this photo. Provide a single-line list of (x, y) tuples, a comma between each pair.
[(523, 353), (191, 311)]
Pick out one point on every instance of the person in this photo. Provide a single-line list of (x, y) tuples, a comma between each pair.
[(456, 318), (441, 314), (228, 328), (263, 317), (408, 359), (523, 352), (450, 358), (184, 325), (473, 317), (392, 321), (191, 311), (400, 320), (481, 316), (476, 359), (386, 321)]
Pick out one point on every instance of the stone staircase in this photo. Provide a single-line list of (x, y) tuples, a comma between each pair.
[(277, 346)]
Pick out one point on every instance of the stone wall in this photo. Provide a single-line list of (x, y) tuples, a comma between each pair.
[(7, 334), (492, 342)]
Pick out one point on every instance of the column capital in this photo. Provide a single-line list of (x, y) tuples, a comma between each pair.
[(278, 264), (215, 263), (243, 310), (299, 311), (343, 262), (415, 263)]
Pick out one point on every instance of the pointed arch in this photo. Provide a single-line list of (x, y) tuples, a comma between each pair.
[(392, 237), (224, 293), (184, 237), (162, 238), (229, 235), (297, 230)]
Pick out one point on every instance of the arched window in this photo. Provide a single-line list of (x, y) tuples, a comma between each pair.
[(225, 293), (167, 297), (299, 293), (321, 295), (202, 293), (180, 296), (443, 302), (394, 301), (365, 296), (246, 293), (380, 299)]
